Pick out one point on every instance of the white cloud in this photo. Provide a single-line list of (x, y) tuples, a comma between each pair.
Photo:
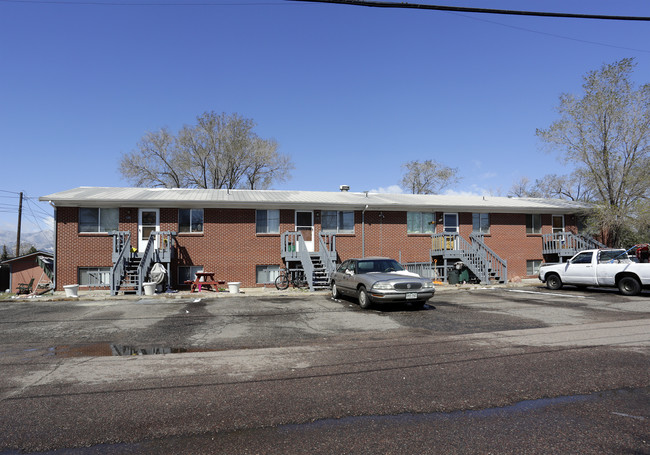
[(393, 189), (472, 190)]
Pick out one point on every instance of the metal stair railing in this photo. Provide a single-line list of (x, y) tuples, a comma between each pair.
[(289, 242), (294, 248), (568, 243), (152, 254), (495, 265), (121, 257), (327, 252), (477, 256), (305, 260)]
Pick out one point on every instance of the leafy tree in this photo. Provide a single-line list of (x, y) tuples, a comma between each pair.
[(605, 135), (5, 253), (220, 151), (428, 177)]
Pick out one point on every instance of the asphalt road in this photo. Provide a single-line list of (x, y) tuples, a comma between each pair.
[(519, 370)]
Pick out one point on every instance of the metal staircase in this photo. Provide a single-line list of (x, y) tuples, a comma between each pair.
[(130, 269), (565, 245), (484, 263), (316, 265)]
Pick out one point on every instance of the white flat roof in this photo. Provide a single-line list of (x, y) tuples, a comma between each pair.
[(338, 200)]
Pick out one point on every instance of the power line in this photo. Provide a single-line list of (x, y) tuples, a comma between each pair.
[(554, 35), (462, 9), (128, 3)]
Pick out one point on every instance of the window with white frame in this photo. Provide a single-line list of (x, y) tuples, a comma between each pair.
[(481, 223), (420, 222), (266, 274), (534, 224), (338, 222), (267, 221), (190, 220), (532, 267), (94, 276), (188, 272), (98, 220)]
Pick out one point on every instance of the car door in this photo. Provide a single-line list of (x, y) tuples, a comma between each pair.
[(580, 269), (345, 277)]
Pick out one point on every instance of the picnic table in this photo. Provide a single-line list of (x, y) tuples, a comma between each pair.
[(204, 279)]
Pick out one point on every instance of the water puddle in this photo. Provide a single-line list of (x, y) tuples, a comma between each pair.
[(112, 350), (520, 407)]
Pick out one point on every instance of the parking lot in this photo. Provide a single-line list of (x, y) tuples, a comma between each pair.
[(274, 319), (256, 371)]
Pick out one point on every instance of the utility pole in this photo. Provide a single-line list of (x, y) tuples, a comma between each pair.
[(20, 216)]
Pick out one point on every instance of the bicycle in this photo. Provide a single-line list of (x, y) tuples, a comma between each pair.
[(286, 277)]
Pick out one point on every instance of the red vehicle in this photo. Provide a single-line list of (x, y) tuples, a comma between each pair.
[(643, 252)]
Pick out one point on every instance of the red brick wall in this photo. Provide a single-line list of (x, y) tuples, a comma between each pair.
[(230, 247), (76, 249)]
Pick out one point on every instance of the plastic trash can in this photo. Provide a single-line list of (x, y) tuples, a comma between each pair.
[(149, 288), (71, 290), (463, 277), (454, 275)]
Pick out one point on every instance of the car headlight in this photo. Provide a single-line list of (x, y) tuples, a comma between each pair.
[(382, 286), (427, 285)]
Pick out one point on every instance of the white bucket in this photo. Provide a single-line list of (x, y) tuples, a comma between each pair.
[(149, 288), (71, 290), (233, 287)]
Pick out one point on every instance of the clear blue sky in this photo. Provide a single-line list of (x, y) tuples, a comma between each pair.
[(351, 93)]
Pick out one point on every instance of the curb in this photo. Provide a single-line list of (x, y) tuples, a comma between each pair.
[(104, 295)]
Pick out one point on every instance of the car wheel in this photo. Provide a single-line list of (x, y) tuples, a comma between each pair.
[(335, 292), (629, 285), (553, 282), (364, 300)]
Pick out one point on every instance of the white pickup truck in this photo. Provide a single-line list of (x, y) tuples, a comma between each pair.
[(606, 267)]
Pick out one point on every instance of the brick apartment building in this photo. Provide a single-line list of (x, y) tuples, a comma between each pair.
[(248, 235)]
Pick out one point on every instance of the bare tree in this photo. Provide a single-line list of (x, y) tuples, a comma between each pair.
[(428, 177), (156, 162), (522, 188), (220, 151), (572, 187), (605, 134)]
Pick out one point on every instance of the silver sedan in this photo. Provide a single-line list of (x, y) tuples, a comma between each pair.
[(373, 280)]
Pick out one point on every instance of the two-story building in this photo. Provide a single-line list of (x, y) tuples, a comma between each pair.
[(110, 237)]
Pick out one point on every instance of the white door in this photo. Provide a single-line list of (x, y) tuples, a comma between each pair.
[(148, 222), (305, 225)]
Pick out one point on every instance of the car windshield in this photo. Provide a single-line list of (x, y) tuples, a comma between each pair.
[(378, 265)]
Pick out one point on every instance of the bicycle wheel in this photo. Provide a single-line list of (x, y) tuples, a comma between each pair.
[(301, 281), (282, 282)]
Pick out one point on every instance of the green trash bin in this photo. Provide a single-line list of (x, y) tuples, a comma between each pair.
[(463, 276), (454, 275)]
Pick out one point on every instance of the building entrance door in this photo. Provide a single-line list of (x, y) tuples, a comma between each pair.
[(148, 222), (305, 225)]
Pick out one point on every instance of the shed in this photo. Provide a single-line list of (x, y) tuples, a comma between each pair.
[(37, 266)]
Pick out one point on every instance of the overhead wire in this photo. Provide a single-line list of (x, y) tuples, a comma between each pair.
[(464, 9), (156, 3), (554, 35)]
